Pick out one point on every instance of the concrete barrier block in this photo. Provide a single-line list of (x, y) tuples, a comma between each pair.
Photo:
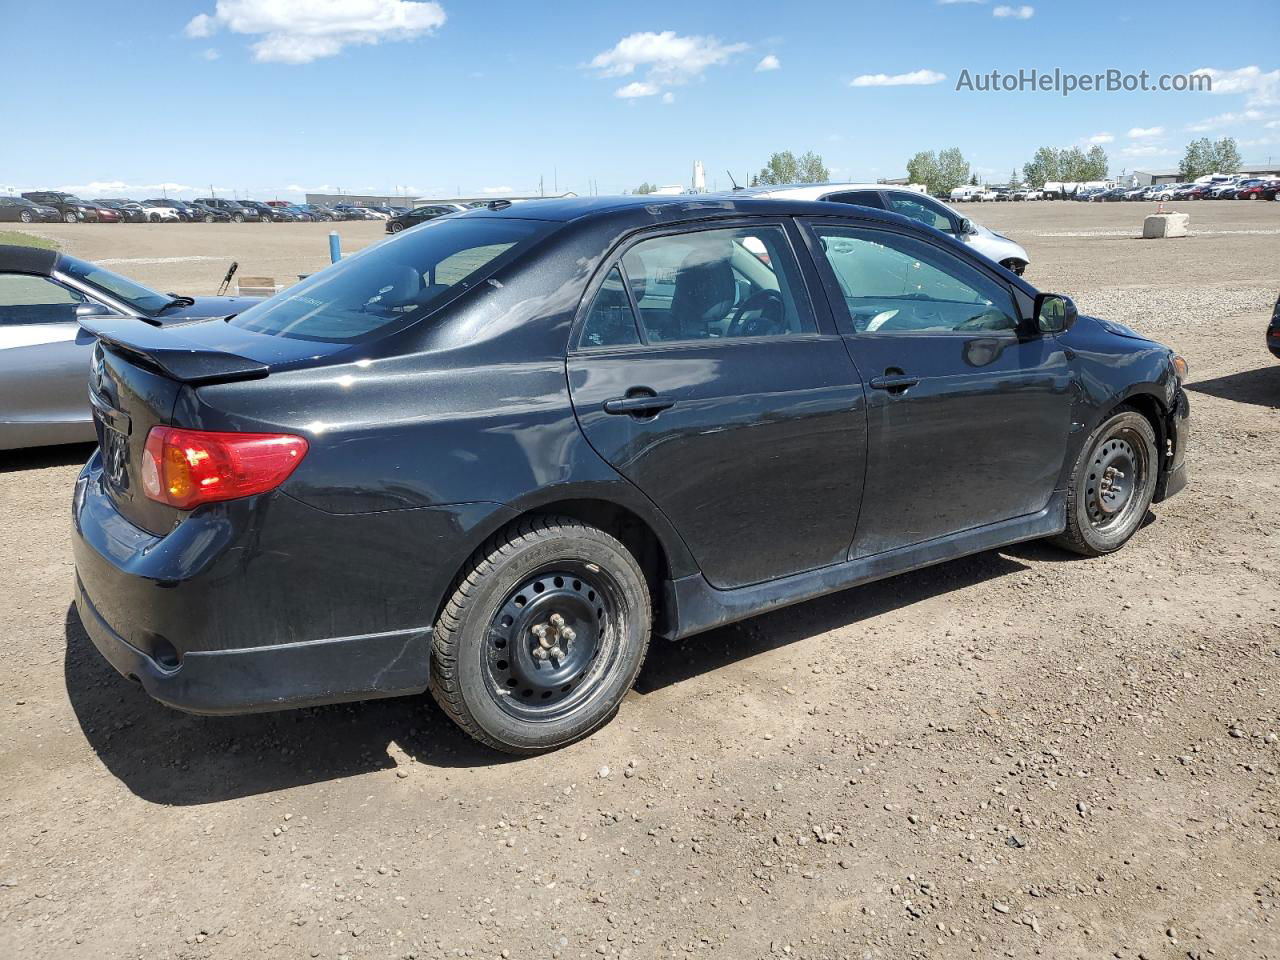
[(1160, 226)]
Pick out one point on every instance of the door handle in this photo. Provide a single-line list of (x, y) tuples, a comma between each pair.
[(895, 384), (639, 406)]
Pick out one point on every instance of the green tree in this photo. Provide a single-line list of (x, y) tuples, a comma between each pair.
[(973, 181), (923, 168), (1073, 165), (1043, 168), (1198, 159), (1015, 182), (941, 173), (1096, 163), (953, 170), (1226, 156), (785, 167), (645, 188)]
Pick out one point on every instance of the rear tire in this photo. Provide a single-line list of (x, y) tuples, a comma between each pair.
[(69, 217), (397, 227), (542, 637), (1015, 265), (237, 218), (25, 216), (1111, 487)]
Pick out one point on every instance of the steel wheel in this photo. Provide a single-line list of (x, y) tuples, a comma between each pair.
[(1116, 473), (551, 641)]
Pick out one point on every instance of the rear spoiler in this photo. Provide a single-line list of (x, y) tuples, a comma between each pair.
[(164, 349)]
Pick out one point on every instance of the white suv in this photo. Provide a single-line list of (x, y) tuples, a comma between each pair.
[(913, 204)]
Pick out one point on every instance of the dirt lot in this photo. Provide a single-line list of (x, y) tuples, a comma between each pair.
[(1017, 754)]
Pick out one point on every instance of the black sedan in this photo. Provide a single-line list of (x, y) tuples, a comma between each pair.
[(207, 214), (22, 210), (70, 207), (493, 455), (1273, 330), (411, 218)]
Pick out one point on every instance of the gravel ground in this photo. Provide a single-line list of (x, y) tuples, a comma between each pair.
[(1018, 754)]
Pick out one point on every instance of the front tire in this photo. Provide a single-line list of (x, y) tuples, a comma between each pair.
[(1111, 487), (237, 218), (542, 637), (25, 216), (70, 217), (397, 227)]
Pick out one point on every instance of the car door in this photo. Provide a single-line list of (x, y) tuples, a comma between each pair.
[(704, 374), (968, 410), (44, 363)]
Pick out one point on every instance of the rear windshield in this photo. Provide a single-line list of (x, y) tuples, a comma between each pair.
[(395, 283)]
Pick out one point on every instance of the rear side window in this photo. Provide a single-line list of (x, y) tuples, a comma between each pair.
[(922, 209), (611, 322), (25, 299), (859, 198), (395, 283)]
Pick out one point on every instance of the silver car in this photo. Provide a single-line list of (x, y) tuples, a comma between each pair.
[(913, 204), (44, 354)]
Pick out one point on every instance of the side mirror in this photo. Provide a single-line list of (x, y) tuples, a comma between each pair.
[(1055, 313), (966, 227), (91, 308)]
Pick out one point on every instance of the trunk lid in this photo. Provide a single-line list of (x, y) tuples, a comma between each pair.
[(137, 375)]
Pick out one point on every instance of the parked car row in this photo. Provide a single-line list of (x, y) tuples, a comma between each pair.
[(44, 206), (1226, 188)]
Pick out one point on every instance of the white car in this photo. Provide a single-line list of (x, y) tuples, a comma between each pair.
[(1029, 195), (909, 203), (159, 213), (1164, 192)]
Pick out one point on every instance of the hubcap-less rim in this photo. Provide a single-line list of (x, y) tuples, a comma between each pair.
[(552, 640), (1116, 474)]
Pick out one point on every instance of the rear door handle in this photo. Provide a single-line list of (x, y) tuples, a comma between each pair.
[(894, 384), (645, 406)]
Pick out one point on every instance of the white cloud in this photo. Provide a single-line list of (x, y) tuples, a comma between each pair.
[(636, 89), (947, 3), (768, 62), (916, 78), (668, 97), (1273, 124), (323, 188), (667, 59), (1016, 13), (1260, 89), (210, 54), (498, 190), (1101, 138), (105, 188), (1143, 133), (299, 31), (1225, 120), (1147, 150)]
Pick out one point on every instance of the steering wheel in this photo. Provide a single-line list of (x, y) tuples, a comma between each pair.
[(991, 319), (766, 301)]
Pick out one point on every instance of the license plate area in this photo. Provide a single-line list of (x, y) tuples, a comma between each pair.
[(114, 428)]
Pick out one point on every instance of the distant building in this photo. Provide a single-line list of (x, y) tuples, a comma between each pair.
[(1145, 178), (400, 200)]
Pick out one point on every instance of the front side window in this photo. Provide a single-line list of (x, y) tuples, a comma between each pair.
[(922, 209), (718, 284), (897, 284), (26, 299), (394, 284)]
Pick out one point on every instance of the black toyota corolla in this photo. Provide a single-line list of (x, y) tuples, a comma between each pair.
[(493, 455)]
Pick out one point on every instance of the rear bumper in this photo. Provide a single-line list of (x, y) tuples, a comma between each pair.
[(258, 679), (1273, 342), (267, 603)]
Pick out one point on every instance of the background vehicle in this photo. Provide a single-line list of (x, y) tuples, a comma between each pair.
[(908, 203), (110, 215), (267, 213), (521, 582), (71, 207), (22, 210), (238, 212), (1166, 191), (1273, 331), (1028, 194), (128, 210), (161, 211), (208, 214), (44, 354), (1257, 189), (1135, 193), (317, 212), (417, 215)]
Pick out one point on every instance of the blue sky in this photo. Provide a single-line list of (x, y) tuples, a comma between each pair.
[(377, 95)]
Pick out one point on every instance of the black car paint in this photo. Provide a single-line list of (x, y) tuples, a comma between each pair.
[(1273, 331), (429, 440)]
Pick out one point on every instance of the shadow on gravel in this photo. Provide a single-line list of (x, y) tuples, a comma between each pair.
[(670, 663), (1261, 386), (41, 458), (165, 756)]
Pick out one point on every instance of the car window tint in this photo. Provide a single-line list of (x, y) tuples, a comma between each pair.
[(26, 299), (860, 198), (709, 284), (918, 208), (897, 284), (611, 321), (393, 284)]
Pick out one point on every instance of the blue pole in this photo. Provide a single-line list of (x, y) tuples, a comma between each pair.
[(335, 246)]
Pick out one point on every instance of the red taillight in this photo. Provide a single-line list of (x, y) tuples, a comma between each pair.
[(185, 468)]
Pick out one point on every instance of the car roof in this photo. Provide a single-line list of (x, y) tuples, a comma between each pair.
[(20, 259), (642, 209)]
